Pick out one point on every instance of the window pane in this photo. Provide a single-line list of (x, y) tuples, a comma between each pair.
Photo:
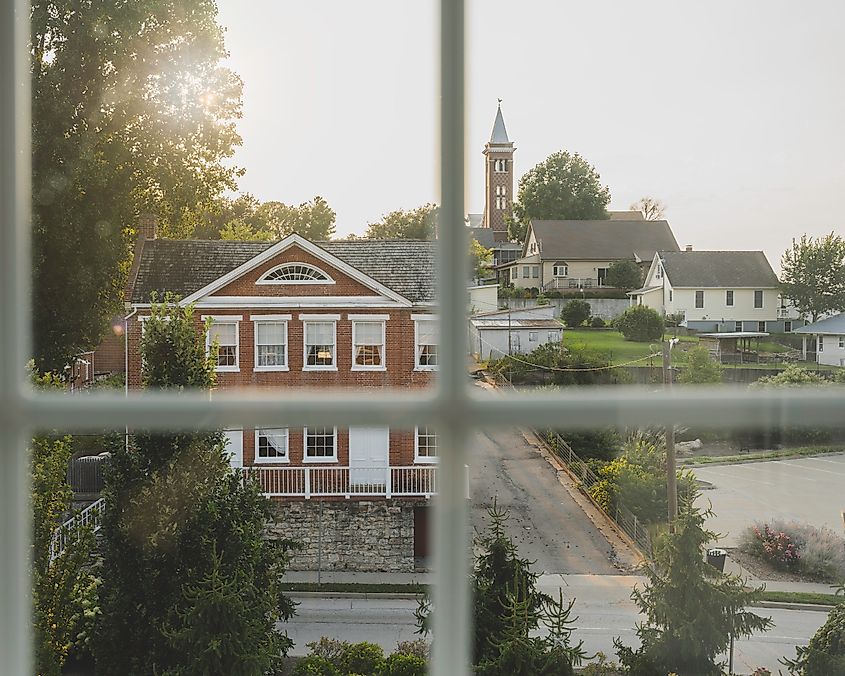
[(270, 333), (368, 333), (319, 333), (224, 333)]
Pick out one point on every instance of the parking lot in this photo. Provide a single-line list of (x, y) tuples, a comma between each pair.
[(803, 489)]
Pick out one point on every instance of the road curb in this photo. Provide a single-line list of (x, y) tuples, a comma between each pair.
[(351, 595), (784, 605)]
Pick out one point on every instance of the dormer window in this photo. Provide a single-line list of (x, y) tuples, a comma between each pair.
[(295, 273)]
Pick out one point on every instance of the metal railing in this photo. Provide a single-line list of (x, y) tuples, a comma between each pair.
[(90, 517), (575, 283), (308, 482), (85, 474)]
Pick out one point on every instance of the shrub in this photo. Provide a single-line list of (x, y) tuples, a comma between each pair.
[(624, 274), (597, 323), (821, 551), (700, 369), (603, 444), (400, 664), (825, 653), (640, 323), (777, 547), (418, 648), (314, 665), (362, 658), (575, 312), (329, 649)]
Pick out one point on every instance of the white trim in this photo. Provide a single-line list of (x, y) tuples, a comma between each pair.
[(295, 240), (226, 319), (325, 319), (271, 461), (424, 317), (425, 459), (292, 302), (383, 365), (306, 459), (417, 319), (235, 453), (269, 319), (223, 318), (368, 318), (318, 318), (264, 281)]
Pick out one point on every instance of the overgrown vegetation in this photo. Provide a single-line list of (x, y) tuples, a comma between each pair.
[(824, 655), (640, 323), (575, 312), (551, 365), (700, 369), (332, 657)]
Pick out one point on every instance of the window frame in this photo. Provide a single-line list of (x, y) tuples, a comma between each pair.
[(224, 319), (318, 319), (761, 326), (820, 343), (307, 459), (417, 352), (270, 319), (729, 297), (695, 300), (762, 299), (557, 266), (424, 459), (370, 319), (258, 460), (273, 282)]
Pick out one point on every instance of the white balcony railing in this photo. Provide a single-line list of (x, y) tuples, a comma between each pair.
[(308, 482), (90, 517)]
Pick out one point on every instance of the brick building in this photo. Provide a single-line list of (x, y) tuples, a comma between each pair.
[(356, 314)]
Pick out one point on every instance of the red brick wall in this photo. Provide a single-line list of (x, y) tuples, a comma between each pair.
[(109, 355)]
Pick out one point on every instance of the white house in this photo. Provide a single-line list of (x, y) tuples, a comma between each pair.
[(494, 335), (716, 291), (830, 339)]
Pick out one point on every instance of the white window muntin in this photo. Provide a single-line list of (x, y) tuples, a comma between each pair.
[(295, 272), (426, 335), (316, 440), (369, 343), (226, 328), (319, 342), (270, 331), (272, 445), (425, 445), (561, 269)]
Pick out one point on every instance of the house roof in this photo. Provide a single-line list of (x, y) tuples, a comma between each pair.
[(602, 240), (633, 215), (703, 269), (832, 325), (186, 266), (483, 324)]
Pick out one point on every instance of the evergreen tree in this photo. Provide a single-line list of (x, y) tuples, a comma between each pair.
[(179, 523), (691, 608)]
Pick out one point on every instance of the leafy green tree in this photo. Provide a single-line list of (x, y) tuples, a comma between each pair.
[(825, 653), (575, 312), (563, 186), (132, 111), (640, 323), (480, 257), (652, 209), (700, 369), (314, 220), (180, 530), (813, 275), (238, 231), (419, 223), (691, 608), (624, 274)]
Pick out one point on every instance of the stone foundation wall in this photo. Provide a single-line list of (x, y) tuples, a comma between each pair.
[(373, 535)]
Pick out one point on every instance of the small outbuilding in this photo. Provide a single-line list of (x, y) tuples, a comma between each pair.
[(830, 340), (494, 335), (734, 347)]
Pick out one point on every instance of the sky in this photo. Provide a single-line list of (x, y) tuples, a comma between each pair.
[(731, 113)]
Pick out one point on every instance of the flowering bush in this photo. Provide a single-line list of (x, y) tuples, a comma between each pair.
[(777, 547), (821, 550)]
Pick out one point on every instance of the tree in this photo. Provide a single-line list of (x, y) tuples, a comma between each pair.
[(652, 209), (813, 275), (419, 223), (131, 112), (624, 274), (238, 231), (700, 369), (481, 259), (182, 529), (563, 186), (575, 312), (640, 323), (314, 220), (691, 608), (825, 653)]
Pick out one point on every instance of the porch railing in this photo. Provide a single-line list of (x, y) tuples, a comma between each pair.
[(90, 517), (308, 482), (558, 283)]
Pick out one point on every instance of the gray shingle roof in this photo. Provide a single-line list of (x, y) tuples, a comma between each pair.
[(185, 266), (603, 240), (703, 269), (834, 325)]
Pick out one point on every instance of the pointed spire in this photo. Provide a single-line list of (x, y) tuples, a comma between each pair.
[(500, 134)]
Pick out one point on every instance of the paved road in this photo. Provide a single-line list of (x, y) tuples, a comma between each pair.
[(603, 607), (802, 489), (546, 523)]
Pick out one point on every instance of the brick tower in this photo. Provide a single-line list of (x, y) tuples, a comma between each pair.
[(498, 179)]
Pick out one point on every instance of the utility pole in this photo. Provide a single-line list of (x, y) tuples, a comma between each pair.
[(671, 472)]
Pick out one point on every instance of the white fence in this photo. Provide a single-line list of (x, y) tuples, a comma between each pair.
[(91, 517), (345, 481)]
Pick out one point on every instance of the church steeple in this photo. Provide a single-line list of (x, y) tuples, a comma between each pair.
[(498, 179)]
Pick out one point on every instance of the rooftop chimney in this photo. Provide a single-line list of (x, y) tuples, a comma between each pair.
[(689, 247), (147, 226)]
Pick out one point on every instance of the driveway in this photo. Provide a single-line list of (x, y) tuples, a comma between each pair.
[(546, 523), (801, 489)]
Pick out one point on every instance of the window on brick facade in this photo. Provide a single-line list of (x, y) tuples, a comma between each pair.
[(501, 197), (699, 299), (295, 273), (271, 445), (758, 299), (729, 298), (426, 344), (425, 446), (224, 334), (319, 344), (368, 345), (271, 349), (320, 444)]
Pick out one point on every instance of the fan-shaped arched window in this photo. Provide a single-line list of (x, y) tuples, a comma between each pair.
[(295, 273)]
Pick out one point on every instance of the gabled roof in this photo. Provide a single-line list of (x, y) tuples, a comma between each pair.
[(602, 240), (183, 267), (705, 269), (832, 325), (633, 215)]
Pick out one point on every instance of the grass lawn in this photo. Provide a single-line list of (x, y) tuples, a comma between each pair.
[(621, 350)]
